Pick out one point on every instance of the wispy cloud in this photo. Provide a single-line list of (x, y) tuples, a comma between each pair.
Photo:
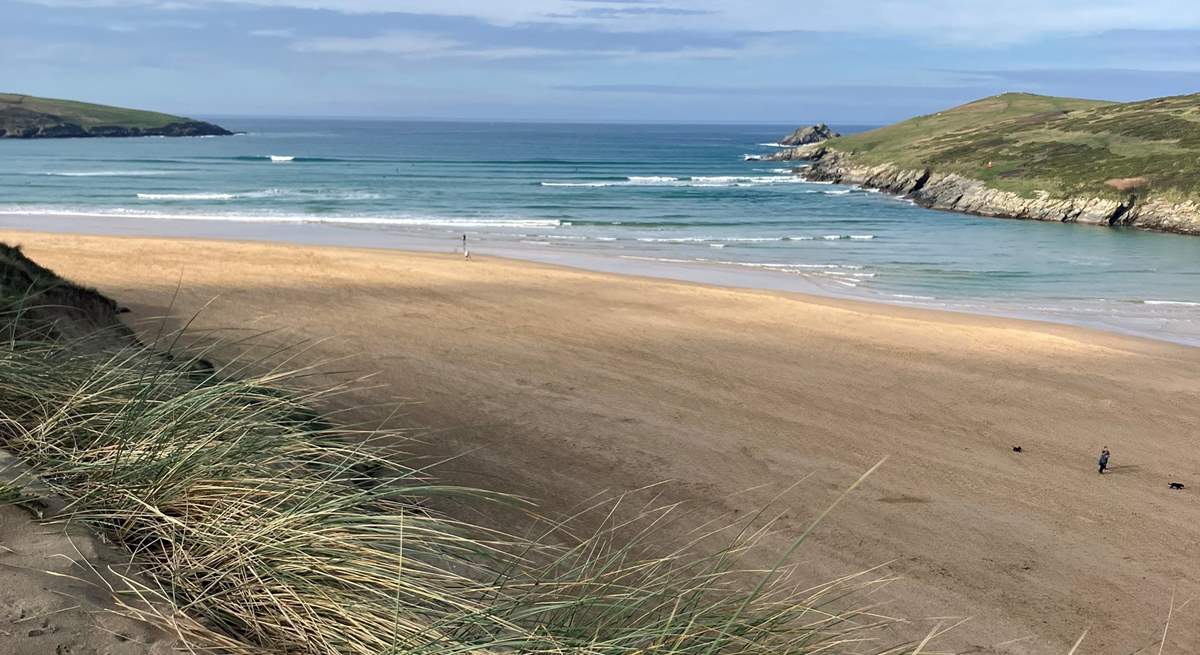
[(625, 12), (154, 23), (628, 59), (419, 45), (962, 22), (285, 33)]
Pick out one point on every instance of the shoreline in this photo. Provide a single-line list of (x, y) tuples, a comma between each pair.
[(706, 273), (555, 383)]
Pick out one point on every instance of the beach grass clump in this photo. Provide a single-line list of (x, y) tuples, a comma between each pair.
[(257, 524)]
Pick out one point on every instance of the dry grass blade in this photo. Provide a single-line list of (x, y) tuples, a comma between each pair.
[(259, 524)]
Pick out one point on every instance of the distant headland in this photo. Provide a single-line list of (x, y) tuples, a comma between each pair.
[(1020, 155), (30, 117)]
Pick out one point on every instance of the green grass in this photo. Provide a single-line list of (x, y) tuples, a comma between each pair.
[(1061, 146), (260, 525), (86, 115)]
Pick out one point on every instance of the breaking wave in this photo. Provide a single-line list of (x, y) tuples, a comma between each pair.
[(265, 193), (106, 173), (670, 181), (398, 221), (709, 239)]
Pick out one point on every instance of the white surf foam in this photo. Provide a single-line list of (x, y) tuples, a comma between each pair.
[(187, 196), (398, 221), (669, 181), (711, 239), (264, 193), (1181, 303), (737, 180), (106, 173), (282, 158), (651, 179)]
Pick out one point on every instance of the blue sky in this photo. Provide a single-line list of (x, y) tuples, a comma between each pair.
[(852, 61)]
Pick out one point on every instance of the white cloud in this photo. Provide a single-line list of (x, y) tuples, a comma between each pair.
[(273, 33), (392, 43), (414, 45)]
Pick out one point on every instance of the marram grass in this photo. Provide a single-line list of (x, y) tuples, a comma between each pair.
[(259, 526)]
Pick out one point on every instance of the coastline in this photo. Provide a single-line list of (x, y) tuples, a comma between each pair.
[(963, 195), (711, 273), (556, 382)]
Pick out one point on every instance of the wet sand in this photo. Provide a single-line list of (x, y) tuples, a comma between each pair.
[(560, 383)]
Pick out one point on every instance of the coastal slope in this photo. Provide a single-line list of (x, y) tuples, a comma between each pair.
[(1019, 155), (29, 117)]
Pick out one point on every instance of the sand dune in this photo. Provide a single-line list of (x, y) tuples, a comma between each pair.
[(558, 383), (56, 583)]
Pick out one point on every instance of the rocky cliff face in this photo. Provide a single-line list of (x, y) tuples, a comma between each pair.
[(953, 192)]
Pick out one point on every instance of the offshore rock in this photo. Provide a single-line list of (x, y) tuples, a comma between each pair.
[(806, 135)]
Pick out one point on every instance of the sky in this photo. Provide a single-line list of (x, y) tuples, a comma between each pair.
[(728, 61)]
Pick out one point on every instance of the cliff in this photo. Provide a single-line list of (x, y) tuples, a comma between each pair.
[(953, 192), (29, 117), (1035, 157)]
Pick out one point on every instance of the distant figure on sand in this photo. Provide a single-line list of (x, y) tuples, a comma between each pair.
[(1104, 460), (466, 251)]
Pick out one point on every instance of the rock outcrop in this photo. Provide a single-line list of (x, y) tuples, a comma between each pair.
[(806, 135), (952, 192), (798, 153), (802, 143)]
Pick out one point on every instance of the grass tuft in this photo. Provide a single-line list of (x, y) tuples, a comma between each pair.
[(258, 524)]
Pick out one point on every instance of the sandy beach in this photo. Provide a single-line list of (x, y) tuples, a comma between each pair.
[(558, 384)]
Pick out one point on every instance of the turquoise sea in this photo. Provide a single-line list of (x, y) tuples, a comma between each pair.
[(672, 200)]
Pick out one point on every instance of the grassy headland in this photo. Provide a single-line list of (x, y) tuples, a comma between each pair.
[(1051, 158), (23, 116)]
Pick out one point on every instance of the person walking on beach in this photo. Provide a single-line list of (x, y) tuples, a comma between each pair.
[(1104, 460), (466, 252)]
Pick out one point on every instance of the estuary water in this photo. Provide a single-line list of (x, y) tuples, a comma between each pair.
[(675, 200)]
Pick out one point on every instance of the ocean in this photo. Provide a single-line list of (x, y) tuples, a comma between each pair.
[(677, 201)]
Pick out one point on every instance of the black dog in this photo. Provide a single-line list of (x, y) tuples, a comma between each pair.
[(1016, 449), (1175, 485)]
